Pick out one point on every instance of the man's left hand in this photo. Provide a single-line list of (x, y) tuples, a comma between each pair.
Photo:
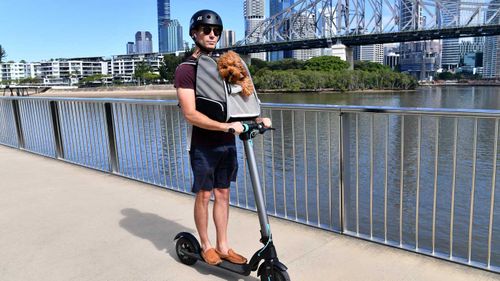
[(266, 121)]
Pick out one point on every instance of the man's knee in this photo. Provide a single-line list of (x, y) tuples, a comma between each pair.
[(221, 194), (203, 196)]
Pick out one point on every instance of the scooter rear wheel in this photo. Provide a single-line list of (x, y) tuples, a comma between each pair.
[(185, 245), (278, 275)]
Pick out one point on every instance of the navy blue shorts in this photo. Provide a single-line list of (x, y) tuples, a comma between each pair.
[(213, 166)]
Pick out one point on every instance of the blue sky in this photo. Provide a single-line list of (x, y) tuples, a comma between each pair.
[(35, 30)]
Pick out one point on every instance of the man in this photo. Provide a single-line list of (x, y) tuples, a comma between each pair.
[(213, 150)]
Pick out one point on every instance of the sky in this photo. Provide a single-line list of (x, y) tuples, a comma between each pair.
[(36, 30)]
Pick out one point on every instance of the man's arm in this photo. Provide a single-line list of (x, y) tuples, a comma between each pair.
[(187, 102)]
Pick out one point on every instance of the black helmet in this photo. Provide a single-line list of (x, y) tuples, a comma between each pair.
[(205, 17)]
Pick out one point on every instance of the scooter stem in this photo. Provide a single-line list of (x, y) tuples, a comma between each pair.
[(265, 229)]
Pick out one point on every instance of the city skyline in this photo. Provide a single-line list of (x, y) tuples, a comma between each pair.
[(50, 29)]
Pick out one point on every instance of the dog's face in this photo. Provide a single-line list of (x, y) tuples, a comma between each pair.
[(231, 73), (231, 68)]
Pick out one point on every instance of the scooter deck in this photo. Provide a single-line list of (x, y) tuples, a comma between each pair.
[(243, 269)]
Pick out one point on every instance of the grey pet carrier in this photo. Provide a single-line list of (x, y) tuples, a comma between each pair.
[(219, 100)]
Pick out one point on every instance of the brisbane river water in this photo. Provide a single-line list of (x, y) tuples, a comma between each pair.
[(452, 199), (433, 97)]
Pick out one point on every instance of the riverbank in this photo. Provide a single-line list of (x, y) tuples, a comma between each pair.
[(463, 83), (327, 91), (142, 92), (168, 92)]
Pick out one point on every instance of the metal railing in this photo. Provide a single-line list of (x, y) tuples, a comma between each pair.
[(419, 179)]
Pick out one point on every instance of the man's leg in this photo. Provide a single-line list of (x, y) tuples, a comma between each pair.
[(201, 217), (221, 216)]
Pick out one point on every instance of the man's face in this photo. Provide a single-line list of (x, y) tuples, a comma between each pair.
[(208, 36)]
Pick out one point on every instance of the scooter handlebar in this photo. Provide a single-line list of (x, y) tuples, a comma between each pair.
[(249, 127)]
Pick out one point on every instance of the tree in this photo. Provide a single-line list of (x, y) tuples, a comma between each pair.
[(370, 66), (140, 71), (286, 64), (446, 76), (93, 80), (168, 66), (256, 65), (151, 77), (326, 63), (3, 54)]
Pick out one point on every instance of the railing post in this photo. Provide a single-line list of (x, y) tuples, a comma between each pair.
[(19, 127), (54, 113), (111, 137), (345, 173)]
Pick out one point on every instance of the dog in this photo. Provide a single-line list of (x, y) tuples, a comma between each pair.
[(232, 70)]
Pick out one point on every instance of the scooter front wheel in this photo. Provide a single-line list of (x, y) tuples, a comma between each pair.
[(185, 245), (278, 275)]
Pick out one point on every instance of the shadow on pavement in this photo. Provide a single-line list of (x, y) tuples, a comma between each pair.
[(161, 233)]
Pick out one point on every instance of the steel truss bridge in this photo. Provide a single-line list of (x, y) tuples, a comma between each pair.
[(311, 24)]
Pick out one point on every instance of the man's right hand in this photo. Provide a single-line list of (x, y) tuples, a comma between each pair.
[(236, 126)]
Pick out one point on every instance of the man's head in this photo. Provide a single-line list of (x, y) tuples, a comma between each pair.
[(205, 29)]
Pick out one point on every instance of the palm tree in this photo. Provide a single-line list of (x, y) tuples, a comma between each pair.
[(2, 53)]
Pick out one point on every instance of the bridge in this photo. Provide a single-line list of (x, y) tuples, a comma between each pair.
[(309, 24), (374, 179)]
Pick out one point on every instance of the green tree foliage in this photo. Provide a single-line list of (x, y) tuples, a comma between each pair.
[(168, 66), (446, 76), (151, 77), (30, 80), (334, 80), (286, 64), (93, 79), (141, 69), (256, 65), (326, 63), (3, 54), (370, 66)]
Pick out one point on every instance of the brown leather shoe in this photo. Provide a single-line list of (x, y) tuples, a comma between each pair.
[(211, 257), (232, 256)]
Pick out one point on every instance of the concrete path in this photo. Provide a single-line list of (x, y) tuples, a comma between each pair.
[(59, 221)]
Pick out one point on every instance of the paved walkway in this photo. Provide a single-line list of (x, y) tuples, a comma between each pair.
[(59, 221)]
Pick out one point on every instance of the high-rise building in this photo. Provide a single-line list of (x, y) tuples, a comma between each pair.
[(254, 13), (450, 56), (419, 59), (275, 7), (163, 20), (173, 40), (227, 38), (491, 56), (391, 55), (163, 12), (169, 30), (373, 53), (130, 48), (304, 26), (143, 42)]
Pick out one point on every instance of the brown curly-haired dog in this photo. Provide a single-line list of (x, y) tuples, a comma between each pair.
[(232, 70)]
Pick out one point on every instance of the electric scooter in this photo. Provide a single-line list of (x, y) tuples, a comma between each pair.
[(271, 269)]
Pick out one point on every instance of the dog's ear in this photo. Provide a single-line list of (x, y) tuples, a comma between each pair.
[(246, 87), (224, 73)]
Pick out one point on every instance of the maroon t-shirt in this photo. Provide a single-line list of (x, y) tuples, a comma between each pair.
[(185, 77)]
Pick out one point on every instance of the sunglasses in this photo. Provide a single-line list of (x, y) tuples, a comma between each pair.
[(208, 29)]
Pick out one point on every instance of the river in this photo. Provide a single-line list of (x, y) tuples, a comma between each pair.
[(432, 97)]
